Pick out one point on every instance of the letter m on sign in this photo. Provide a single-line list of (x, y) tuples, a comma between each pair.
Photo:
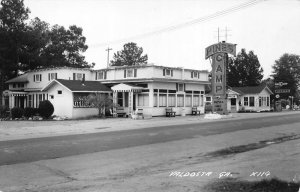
[(219, 78)]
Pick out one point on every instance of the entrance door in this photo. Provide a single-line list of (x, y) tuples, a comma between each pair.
[(233, 105), (133, 102)]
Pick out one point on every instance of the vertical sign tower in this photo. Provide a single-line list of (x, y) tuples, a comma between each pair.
[(219, 55)]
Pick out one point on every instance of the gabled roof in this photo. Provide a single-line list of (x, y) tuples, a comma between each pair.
[(20, 79), (79, 86), (251, 89)]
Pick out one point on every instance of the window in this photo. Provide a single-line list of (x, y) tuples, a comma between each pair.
[(30, 104), (14, 85), (245, 101), (101, 75), (188, 100), (196, 101), (51, 96), (168, 72), (208, 98), (155, 100), (128, 73), (251, 103), (59, 92), (78, 76), (180, 87), (37, 77), (195, 74), (268, 101), (143, 100), (172, 100), (52, 76), (201, 100), (180, 100), (264, 101), (163, 100)]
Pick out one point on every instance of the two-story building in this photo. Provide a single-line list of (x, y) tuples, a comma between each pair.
[(148, 87)]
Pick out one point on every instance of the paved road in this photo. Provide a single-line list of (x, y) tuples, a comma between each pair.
[(29, 150)]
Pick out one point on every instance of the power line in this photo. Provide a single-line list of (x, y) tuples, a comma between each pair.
[(185, 24)]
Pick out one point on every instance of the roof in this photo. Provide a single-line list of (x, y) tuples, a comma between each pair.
[(251, 89), (79, 86), (246, 90), (20, 79)]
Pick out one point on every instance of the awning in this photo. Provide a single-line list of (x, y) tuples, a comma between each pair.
[(126, 88)]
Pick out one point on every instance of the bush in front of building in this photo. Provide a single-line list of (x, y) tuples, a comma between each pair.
[(46, 109), (17, 112), (30, 112), (4, 111)]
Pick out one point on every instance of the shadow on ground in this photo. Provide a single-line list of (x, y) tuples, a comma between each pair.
[(236, 185)]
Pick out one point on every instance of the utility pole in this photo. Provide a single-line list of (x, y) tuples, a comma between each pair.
[(108, 49), (225, 35)]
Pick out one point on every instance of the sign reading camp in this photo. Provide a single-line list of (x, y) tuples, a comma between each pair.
[(218, 52)]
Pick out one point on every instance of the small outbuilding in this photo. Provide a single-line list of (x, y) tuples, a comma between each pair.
[(69, 97)]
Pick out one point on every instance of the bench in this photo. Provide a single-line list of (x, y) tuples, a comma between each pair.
[(120, 112), (195, 111), (170, 112)]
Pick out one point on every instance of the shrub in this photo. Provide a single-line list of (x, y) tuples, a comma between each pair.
[(46, 109), (3, 111), (17, 112), (29, 112), (208, 107)]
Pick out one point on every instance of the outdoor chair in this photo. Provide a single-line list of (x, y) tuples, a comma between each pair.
[(195, 111)]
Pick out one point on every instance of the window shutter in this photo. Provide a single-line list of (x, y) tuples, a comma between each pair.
[(198, 75), (105, 74), (125, 73), (184, 87), (176, 87), (171, 73), (83, 76), (33, 78), (73, 76), (48, 76), (164, 72), (55, 75), (135, 71), (192, 74), (96, 75), (40, 77)]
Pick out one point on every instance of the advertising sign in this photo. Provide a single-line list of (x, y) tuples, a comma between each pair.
[(218, 52), (220, 48)]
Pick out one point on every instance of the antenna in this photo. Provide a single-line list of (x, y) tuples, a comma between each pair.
[(225, 35), (108, 49)]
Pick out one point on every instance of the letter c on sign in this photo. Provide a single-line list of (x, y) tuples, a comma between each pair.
[(219, 57)]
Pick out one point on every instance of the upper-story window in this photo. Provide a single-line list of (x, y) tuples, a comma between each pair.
[(37, 77), (52, 76), (180, 87), (168, 72), (195, 74), (78, 76), (101, 75), (130, 73)]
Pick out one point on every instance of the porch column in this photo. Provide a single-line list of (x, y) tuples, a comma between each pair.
[(115, 100), (12, 101), (130, 102), (151, 97)]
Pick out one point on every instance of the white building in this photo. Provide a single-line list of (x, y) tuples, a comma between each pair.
[(148, 87), (251, 98)]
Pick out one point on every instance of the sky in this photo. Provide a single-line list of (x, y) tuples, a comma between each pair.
[(175, 33)]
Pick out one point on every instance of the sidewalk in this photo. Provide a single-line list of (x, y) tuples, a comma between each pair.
[(13, 130)]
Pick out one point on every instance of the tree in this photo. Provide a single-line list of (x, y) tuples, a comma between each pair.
[(130, 55), (102, 102), (244, 70), (287, 69), (65, 48), (13, 15)]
